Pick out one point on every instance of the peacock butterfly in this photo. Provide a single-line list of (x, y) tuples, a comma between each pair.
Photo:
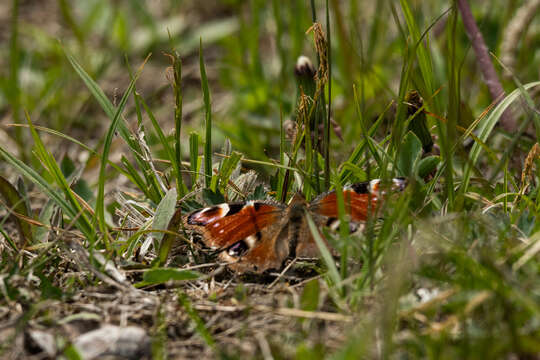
[(255, 236)]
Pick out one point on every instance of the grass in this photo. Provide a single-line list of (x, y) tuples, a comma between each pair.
[(94, 184)]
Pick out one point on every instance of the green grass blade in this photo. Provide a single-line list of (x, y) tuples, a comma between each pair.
[(309, 154), (356, 155), (12, 88), (47, 189), (326, 120), (343, 230), (199, 323), (100, 96), (450, 131), (366, 138), (163, 140), (281, 171), (194, 157), (100, 200), (56, 173), (77, 142), (485, 128), (328, 259), (178, 96), (208, 121), (423, 56), (227, 167)]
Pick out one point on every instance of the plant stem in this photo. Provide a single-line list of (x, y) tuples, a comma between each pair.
[(508, 122)]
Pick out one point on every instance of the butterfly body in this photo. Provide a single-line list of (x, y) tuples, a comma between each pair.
[(258, 235)]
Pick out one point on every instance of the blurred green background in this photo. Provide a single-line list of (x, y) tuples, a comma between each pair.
[(250, 48)]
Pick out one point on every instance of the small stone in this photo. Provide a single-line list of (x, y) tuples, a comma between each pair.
[(127, 342)]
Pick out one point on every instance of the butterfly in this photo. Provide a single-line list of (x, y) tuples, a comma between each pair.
[(255, 236)]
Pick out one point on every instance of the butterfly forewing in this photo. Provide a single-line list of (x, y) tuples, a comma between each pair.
[(225, 224)]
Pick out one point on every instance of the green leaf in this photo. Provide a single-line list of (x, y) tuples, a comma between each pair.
[(67, 166), (418, 122), (48, 290), (162, 275), (526, 222), (168, 239), (409, 154), (23, 192), (71, 353), (258, 194), (212, 198), (428, 165), (164, 212)]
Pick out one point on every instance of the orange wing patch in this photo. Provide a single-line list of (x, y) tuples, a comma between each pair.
[(223, 225)]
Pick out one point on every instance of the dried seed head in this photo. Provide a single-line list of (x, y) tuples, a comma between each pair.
[(290, 128), (321, 48), (302, 112), (526, 174)]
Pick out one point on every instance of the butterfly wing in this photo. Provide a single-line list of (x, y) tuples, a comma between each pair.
[(361, 200), (265, 250), (246, 233)]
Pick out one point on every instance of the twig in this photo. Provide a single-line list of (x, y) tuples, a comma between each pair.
[(265, 347), (282, 273)]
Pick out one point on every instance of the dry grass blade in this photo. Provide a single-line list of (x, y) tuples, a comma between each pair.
[(319, 315)]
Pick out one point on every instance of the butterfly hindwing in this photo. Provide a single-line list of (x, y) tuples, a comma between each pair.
[(360, 199), (262, 251)]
